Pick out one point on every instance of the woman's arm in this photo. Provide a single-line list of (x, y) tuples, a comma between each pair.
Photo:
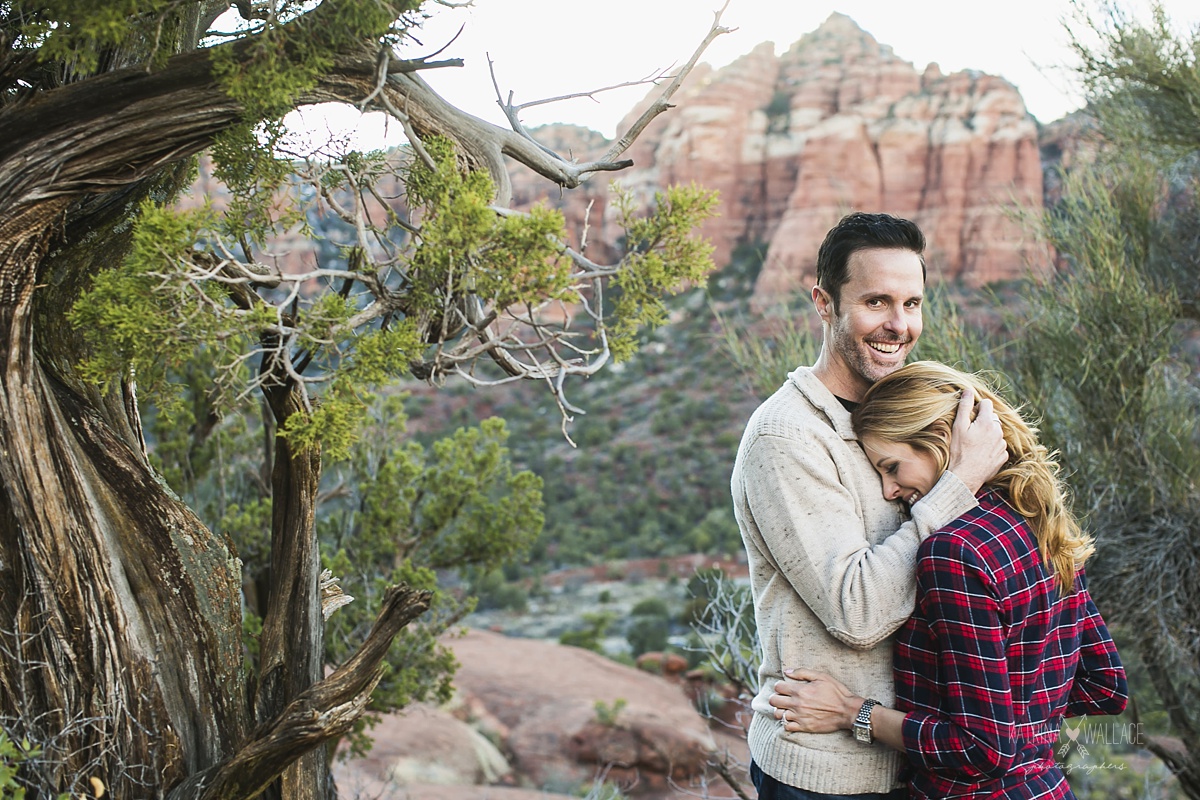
[(1099, 685)]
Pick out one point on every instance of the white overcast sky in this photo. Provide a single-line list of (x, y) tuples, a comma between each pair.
[(548, 48)]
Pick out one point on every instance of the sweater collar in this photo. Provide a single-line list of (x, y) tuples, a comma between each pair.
[(823, 400)]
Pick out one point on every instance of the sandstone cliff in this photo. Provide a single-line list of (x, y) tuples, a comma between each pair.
[(837, 123)]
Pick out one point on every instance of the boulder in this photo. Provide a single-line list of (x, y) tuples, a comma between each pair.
[(569, 715), (670, 665), (421, 746)]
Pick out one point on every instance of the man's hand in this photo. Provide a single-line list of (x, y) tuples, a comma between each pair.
[(977, 449), (813, 702)]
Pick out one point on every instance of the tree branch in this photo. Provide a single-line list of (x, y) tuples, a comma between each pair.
[(663, 102), (324, 711)]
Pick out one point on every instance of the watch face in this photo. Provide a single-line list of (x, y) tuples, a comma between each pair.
[(862, 733)]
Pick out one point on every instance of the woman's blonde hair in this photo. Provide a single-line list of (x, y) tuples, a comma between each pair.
[(916, 405)]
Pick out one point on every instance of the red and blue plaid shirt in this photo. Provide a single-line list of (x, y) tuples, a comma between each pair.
[(993, 659)]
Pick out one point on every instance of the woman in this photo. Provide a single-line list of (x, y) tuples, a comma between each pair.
[(1005, 640)]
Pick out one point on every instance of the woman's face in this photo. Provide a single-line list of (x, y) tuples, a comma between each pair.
[(907, 474)]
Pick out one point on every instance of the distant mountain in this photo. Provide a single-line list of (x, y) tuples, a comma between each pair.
[(836, 123)]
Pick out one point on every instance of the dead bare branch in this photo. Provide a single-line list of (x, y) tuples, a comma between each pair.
[(663, 102)]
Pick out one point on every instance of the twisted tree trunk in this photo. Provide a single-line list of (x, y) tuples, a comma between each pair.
[(120, 615), (120, 612), (292, 646)]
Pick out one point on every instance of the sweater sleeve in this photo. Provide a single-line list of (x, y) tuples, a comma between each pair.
[(813, 529), (976, 738), (1099, 685)]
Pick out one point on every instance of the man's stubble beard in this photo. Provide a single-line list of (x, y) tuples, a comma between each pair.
[(856, 353)]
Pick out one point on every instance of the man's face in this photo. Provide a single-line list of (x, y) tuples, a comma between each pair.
[(878, 320)]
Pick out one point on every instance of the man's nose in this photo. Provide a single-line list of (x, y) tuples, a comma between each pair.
[(896, 321)]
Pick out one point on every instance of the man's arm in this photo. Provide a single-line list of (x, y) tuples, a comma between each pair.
[(811, 528), (977, 737)]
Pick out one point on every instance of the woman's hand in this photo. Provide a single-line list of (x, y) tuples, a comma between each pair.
[(813, 702)]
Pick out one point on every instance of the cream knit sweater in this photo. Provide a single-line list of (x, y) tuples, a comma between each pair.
[(832, 568)]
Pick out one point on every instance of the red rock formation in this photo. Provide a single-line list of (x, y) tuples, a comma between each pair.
[(671, 666), (546, 700), (839, 123)]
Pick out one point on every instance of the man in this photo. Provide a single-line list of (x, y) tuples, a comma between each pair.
[(832, 563)]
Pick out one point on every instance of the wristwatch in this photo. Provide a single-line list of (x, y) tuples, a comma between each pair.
[(862, 723)]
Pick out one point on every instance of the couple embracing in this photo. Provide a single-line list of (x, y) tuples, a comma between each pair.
[(917, 574)]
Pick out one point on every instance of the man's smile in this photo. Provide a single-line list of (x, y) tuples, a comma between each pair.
[(885, 347)]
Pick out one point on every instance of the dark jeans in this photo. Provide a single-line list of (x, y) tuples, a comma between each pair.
[(771, 789)]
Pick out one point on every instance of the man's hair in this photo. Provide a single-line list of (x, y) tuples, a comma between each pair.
[(861, 231)]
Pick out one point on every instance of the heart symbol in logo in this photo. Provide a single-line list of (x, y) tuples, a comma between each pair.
[(1072, 733)]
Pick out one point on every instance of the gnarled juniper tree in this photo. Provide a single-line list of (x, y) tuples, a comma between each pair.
[(120, 612)]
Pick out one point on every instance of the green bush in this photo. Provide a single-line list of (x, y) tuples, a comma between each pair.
[(589, 638), (651, 607), (13, 755), (648, 634)]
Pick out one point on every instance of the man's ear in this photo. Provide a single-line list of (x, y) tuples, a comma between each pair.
[(824, 303)]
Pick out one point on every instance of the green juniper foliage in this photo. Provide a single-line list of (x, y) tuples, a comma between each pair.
[(261, 338), (662, 255), (465, 245)]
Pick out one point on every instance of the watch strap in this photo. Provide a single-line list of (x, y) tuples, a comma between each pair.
[(862, 722)]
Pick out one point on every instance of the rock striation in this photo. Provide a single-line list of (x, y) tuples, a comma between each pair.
[(838, 123)]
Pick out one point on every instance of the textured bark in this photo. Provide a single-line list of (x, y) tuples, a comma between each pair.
[(323, 711), (292, 644), (119, 612)]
